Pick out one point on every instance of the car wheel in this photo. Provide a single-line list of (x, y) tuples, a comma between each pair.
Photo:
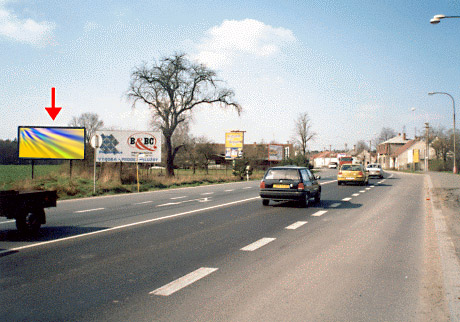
[(339, 183), (303, 203), (265, 202), (318, 197)]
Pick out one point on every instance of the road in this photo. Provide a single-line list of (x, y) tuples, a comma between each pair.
[(214, 253)]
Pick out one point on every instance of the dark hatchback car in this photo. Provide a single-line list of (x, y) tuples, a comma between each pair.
[(290, 183)]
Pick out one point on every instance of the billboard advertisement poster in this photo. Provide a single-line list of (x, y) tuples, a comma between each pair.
[(233, 153), (129, 146), (416, 156), (275, 152), (234, 145), (59, 143)]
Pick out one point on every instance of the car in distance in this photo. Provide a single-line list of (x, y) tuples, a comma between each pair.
[(352, 173), (290, 183), (332, 165), (375, 170)]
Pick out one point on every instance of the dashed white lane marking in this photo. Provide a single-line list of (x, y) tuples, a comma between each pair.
[(207, 193), (229, 190), (169, 204), (362, 191), (355, 194), (7, 222), (88, 210), (319, 213), (247, 188), (328, 182), (335, 205), (143, 202), (257, 244), (296, 225), (368, 188), (346, 199), (175, 198), (372, 186), (184, 281)]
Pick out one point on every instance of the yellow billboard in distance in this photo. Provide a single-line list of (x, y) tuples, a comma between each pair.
[(234, 139)]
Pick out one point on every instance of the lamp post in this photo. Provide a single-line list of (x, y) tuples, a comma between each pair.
[(437, 19), (453, 106)]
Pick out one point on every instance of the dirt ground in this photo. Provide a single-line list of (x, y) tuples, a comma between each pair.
[(433, 304)]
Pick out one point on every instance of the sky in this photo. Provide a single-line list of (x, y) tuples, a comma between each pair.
[(353, 66)]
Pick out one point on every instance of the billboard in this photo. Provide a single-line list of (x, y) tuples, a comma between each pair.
[(234, 145), (416, 156), (62, 143), (275, 152), (128, 146)]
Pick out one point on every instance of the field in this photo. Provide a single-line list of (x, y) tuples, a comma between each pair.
[(109, 179), (14, 173)]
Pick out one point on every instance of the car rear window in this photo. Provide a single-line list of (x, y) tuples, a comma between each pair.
[(349, 167), (286, 174)]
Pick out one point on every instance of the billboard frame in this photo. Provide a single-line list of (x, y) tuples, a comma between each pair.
[(52, 127)]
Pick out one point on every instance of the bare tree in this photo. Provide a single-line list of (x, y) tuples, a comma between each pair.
[(303, 132), (90, 121), (361, 146), (205, 150), (385, 134), (172, 88)]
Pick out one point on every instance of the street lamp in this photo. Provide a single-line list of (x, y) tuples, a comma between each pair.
[(437, 19), (453, 106)]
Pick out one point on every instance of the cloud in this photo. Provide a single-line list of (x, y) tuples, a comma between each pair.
[(226, 43), (26, 31)]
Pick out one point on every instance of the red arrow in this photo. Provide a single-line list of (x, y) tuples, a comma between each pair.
[(53, 111)]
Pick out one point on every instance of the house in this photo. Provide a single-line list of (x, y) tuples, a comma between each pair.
[(323, 159), (411, 156), (386, 150)]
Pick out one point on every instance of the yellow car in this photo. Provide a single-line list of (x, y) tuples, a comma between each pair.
[(352, 173)]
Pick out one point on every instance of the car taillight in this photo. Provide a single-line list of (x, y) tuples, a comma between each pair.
[(340, 172), (262, 185), (301, 186), (360, 173)]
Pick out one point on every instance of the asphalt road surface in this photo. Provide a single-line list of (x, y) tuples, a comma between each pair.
[(215, 253)]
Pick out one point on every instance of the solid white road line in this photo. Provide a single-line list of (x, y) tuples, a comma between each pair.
[(88, 210), (207, 193), (257, 244), (181, 197), (346, 199), (143, 202), (355, 194), (335, 205), (126, 226), (184, 281), (296, 225), (319, 213)]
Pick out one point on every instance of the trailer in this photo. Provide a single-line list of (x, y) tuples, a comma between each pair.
[(27, 208)]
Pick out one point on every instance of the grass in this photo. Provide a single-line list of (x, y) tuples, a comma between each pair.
[(13, 173), (109, 179)]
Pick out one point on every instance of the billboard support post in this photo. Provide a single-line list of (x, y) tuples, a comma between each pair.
[(95, 143), (70, 169), (33, 169)]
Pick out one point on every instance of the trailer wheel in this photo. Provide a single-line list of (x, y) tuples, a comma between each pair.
[(30, 221)]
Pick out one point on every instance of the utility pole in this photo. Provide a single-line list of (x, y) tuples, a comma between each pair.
[(427, 151)]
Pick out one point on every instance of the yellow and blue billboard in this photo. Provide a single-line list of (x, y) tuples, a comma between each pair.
[(65, 143)]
